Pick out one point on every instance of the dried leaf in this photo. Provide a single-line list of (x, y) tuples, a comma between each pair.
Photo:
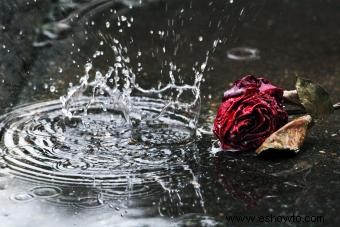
[(288, 137), (314, 98)]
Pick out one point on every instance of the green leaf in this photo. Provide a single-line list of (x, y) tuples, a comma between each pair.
[(314, 98)]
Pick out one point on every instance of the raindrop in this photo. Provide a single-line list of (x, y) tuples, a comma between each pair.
[(96, 54), (52, 88)]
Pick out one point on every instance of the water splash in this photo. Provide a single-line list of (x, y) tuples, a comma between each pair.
[(108, 133), (119, 83), (111, 134)]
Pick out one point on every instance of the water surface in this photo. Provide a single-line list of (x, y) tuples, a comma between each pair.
[(89, 172)]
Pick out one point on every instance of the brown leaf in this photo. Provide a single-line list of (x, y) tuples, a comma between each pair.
[(288, 137), (314, 98)]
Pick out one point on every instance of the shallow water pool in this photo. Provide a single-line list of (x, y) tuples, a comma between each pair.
[(143, 163)]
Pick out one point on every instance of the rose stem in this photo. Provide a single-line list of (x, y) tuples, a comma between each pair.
[(336, 106)]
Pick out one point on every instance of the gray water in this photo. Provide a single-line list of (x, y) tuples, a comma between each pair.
[(127, 142)]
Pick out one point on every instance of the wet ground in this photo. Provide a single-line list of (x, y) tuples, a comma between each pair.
[(182, 184)]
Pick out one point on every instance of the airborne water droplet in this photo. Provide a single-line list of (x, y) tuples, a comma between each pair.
[(52, 88)]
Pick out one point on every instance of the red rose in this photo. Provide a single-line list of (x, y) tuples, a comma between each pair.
[(249, 113)]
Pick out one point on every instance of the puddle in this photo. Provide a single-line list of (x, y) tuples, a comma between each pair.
[(118, 144)]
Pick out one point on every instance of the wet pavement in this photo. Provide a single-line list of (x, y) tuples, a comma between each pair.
[(197, 188)]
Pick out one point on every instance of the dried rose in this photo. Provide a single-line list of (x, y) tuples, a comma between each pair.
[(249, 113)]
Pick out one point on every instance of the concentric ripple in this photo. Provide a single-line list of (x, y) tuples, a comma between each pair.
[(102, 149), (243, 53)]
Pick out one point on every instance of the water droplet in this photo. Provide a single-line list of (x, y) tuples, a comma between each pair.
[(203, 66), (107, 24), (96, 54), (52, 89)]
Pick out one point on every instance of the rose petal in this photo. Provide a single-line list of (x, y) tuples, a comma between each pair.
[(232, 124), (250, 85)]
